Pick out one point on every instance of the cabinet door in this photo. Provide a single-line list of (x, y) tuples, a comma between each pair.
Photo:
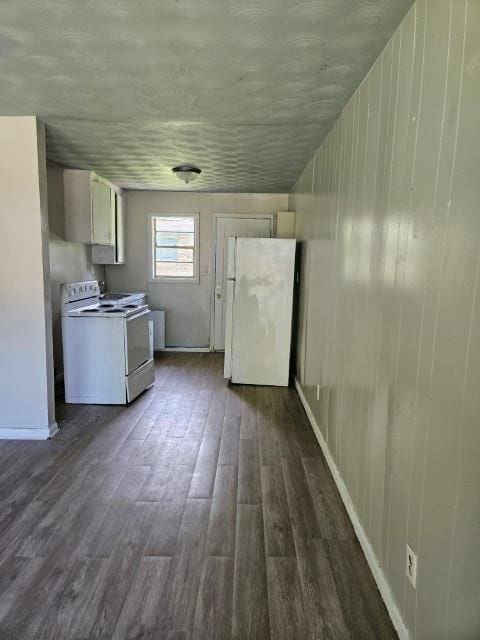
[(102, 218), (119, 228)]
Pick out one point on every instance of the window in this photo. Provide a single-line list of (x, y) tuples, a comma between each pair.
[(175, 248)]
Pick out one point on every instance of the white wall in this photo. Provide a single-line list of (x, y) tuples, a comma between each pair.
[(26, 362), (187, 305), (69, 261)]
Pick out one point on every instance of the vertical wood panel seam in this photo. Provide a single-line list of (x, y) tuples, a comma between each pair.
[(388, 474), (437, 304), (412, 182), (474, 293)]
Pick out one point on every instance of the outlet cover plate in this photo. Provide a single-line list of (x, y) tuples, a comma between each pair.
[(412, 566)]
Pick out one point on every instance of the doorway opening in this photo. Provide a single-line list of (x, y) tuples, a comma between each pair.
[(242, 226)]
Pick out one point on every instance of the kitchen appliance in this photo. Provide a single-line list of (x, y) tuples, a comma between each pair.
[(260, 274), (107, 352), (138, 297)]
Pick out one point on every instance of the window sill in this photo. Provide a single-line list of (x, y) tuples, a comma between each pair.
[(195, 280)]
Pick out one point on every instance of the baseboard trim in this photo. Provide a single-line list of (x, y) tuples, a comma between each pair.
[(43, 433), (367, 548), (190, 349)]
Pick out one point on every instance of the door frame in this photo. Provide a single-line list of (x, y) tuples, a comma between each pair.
[(262, 216)]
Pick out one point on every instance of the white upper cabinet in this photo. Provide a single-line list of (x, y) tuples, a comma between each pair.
[(103, 223), (113, 253), (119, 228), (89, 208)]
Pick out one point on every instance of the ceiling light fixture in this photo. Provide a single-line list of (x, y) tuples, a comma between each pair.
[(187, 172)]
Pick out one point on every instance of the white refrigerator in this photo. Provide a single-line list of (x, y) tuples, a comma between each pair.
[(260, 275)]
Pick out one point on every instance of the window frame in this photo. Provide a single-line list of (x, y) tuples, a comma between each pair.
[(195, 279)]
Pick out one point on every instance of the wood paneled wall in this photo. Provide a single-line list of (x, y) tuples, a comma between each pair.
[(388, 219)]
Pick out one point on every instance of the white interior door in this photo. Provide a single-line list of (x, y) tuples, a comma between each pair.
[(227, 227)]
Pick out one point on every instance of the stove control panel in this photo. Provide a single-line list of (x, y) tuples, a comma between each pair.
[(79, 291)]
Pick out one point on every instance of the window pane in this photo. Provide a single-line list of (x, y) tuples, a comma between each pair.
[(174, 246), (173, 254), (172, 223), (170, 238), (174, 269)]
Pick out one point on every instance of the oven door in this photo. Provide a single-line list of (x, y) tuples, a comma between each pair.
[(137, 341)]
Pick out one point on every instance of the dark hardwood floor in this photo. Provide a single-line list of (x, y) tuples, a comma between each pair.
[(200, 511)]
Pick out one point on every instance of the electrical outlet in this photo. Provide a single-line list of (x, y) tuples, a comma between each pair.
[(318, 392), (412, 566)]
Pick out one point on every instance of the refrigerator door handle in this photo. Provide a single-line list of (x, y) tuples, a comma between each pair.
[(230, 294)]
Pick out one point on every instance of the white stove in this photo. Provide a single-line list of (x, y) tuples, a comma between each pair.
[(107, 345)]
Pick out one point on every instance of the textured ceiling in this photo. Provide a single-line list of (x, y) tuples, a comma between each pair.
[(245, 90)]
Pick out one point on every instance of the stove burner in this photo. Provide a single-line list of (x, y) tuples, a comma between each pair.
[(105, 305), (130, 306), (113, 311), (90, 311)]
